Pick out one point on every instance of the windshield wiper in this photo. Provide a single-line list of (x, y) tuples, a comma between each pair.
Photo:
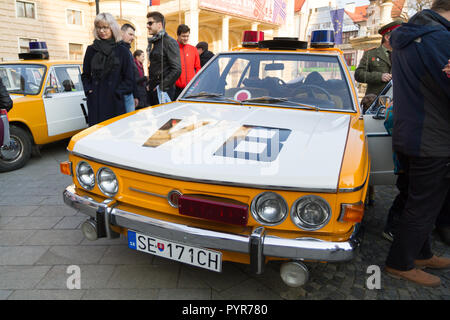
[(205, 94), (273, 100)]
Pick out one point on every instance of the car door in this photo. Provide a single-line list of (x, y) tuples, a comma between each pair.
[(380, 142), (64, 100)]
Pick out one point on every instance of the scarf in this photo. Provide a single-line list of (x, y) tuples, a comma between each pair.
[(140, 68), (104, 59)]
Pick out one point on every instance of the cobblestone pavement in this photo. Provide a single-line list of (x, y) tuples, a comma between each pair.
[(40, 237)]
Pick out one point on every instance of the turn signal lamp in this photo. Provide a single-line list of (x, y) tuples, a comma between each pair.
[(66, 168), (322, 39), (251, 38), (352, 212)]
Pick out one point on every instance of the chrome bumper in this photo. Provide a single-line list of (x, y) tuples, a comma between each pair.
[(257, 245)]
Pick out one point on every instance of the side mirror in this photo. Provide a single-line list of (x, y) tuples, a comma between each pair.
[(49, 91), (385, 101)]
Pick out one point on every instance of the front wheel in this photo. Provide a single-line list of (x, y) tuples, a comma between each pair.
[(17, 154)]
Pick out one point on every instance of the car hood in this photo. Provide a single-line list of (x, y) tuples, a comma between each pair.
[(264, 147)]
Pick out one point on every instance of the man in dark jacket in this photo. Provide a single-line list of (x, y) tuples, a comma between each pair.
[(205, 55), (164, 56), (375, 65), (5, 103), (421, 138)]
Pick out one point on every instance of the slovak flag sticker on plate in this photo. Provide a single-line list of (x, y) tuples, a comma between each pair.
[(161, 246)]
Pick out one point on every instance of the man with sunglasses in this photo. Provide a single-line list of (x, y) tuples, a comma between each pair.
[(164, 56)]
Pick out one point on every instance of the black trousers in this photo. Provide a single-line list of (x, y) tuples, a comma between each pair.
[(428, 190)]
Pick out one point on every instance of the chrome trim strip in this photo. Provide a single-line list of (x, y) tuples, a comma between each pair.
[(214, 182), (148, 193), (297, 249)]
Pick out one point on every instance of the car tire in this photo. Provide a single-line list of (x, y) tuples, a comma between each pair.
[(19, 152)]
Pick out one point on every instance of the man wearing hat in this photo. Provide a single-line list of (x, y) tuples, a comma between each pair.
[(375, 65)]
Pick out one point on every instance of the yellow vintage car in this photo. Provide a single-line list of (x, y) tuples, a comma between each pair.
[(48, 104), (262, 157)]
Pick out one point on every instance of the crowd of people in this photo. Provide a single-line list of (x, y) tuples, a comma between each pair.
[(414, 55), (114, 79)]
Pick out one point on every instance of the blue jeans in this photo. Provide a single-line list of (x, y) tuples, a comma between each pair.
[(129, 102)]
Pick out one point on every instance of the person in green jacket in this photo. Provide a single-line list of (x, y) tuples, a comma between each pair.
[(375, 65)]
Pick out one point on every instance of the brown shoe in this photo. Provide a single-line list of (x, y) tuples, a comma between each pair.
[(434, 262), (415, 275)]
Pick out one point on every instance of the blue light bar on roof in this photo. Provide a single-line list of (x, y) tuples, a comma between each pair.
[(37, 46), (322, 39)]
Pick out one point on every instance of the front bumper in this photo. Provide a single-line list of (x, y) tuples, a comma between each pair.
[(257, 245)]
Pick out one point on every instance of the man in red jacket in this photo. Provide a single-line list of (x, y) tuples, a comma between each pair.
[(190, 60)]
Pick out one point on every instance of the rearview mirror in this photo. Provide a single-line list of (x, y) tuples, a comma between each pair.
[(274, 66), (49, 91)]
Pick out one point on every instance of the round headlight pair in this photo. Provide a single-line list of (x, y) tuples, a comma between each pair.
[(107, 180), (308, 212)]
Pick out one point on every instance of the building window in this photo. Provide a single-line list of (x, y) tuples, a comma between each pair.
[(347, 35), (25, 9), (74, 17), (24, 44), (75, 51)]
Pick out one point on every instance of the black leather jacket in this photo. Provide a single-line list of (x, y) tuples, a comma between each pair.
[(5, 99), (165, 63)]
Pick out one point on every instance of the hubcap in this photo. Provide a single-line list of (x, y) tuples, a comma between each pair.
[(13, 151)]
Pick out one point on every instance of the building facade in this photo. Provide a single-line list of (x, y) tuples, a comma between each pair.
[(65, 25)]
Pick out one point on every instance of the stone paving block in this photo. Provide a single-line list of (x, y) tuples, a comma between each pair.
[(144, 277), (189, 279), (20, 255), (230, 276), (16, 211), (55, 237), (121, 294), (246, 290), (4, 294), (92, 277), (104, 241), (21, 277), (32, 223), (70, 223), (184, 294), (53, 211), (53, 199), (123, 255), (14, 237), (28, 200), (72, 255), (47, 295), (5, 220)]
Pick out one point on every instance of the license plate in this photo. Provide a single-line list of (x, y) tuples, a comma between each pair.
[(199, 257)]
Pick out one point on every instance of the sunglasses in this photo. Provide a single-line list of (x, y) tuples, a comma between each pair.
[(150, 23)]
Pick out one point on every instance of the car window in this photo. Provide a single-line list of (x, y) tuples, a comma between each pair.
[(65, 79), (316, 80), (22, 79), (387, 91)]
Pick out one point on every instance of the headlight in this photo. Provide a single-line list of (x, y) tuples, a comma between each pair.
[(310, 212), (269, 208), (85, 175), (107, 182)]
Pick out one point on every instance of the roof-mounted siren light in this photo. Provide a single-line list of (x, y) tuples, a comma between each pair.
[(251, 38), (322, 39), (38, 51)]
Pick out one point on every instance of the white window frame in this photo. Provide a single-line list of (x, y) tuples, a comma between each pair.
[(68, 48), (26, 1), (82, 17), (18, 42)]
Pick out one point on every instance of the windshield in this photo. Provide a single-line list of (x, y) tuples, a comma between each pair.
[(22, 78), (274, 78)]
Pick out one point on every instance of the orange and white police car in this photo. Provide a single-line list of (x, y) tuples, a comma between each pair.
[(262, 157), (48, 103)]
